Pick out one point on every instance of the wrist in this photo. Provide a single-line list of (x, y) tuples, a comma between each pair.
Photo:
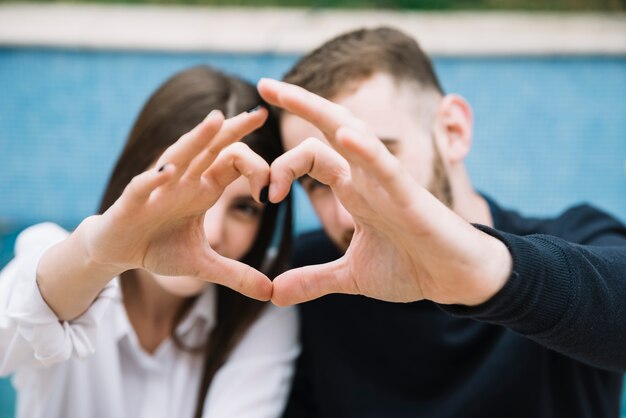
[(86, 243), (69, 279), (496, 267)]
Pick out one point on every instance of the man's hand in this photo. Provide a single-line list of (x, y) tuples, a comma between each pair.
[(407, 245)]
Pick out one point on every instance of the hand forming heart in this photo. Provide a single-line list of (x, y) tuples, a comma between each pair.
[(407, 245), (157, 223)]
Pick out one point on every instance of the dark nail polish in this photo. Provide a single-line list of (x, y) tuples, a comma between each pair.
[(263, 197), (255, 109), (162, 168)]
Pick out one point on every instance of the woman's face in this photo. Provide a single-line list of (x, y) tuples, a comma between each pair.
[(230, 227)]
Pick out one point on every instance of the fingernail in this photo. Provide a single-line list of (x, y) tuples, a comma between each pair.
[(255, 109), (162, 167), (263, 196)]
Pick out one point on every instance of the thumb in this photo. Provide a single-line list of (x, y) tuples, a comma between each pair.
[(237, 276), (311, 282)]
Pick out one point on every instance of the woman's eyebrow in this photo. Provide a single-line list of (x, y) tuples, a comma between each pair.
[(243, 197)]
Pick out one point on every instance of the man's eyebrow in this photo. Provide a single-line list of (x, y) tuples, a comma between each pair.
[(305, 178)]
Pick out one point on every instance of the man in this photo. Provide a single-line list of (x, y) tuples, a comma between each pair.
[(539, 320)]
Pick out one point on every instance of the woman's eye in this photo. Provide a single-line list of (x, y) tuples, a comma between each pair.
[(249, 209), (311, 185)]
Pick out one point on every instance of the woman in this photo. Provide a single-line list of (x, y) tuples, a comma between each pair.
[(113, 320)]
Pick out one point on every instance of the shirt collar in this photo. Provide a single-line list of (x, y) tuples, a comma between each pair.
[(194, 327), (201, 316)]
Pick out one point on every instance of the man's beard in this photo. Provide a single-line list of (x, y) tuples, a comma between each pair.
[(439, 187), (440, 182)]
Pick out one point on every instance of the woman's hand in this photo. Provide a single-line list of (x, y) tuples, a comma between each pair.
[(157, 222)]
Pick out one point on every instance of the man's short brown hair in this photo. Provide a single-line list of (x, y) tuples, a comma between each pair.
[(350, 58)]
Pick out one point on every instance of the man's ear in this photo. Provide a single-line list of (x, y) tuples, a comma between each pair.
[(454, 120)]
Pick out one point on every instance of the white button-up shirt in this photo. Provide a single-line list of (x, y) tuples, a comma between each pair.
[(94, 366)]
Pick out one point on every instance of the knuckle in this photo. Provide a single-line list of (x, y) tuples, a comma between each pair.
[(185, 137), (229, 132), (291, 173), (239, 147), (311, 145), (242, 281), (260, 169), (133, 186), (134, 183), (310, 142), (212, 152)]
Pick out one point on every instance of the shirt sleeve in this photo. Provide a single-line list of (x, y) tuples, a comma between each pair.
[(31, 335), (568, 297), (255, 381)]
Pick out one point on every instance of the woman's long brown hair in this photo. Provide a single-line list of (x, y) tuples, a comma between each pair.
[(174, 109)]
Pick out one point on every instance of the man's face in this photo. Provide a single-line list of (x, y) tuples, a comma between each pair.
[(396, 116)]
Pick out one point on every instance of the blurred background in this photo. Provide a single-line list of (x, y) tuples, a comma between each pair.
[(546, 79), (427, 5)]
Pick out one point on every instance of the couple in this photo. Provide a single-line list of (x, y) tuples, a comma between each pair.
[(510, 316)]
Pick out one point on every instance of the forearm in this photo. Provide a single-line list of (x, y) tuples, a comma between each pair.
[(69, 279), (564, 296)]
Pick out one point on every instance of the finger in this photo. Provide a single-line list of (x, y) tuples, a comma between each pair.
[(373, 158), (311, 282), (312, 157), (232, 130), (192, 143), (237, 160), (324, 114), (142, 185), (237, 276)]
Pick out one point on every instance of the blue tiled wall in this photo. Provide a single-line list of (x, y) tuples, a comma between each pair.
[(549, 132)]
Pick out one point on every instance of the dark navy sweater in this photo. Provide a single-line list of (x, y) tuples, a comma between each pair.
[(551, 343)]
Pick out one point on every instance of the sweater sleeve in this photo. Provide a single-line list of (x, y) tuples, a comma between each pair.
[(568, 297), (31, 335)]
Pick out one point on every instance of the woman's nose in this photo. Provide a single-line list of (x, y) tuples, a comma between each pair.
[(214, 226)]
